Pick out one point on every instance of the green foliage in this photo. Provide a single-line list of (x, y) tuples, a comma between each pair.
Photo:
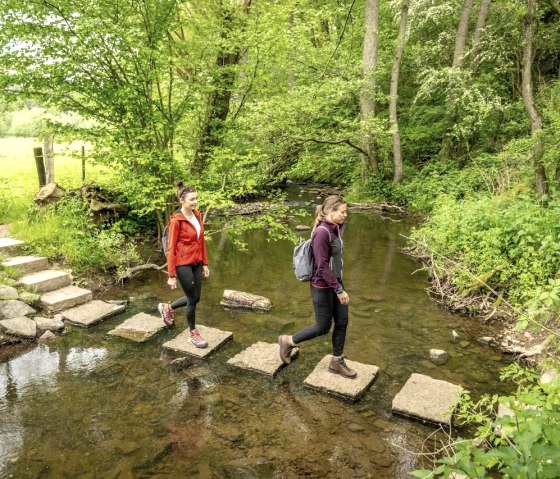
[(512, 236), (66, 232), (524, 443)]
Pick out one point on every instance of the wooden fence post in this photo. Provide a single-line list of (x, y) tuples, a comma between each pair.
[(49, 157), (83, 164), (38, 154)]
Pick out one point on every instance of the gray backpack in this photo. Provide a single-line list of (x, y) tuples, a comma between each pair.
[(303, 261)]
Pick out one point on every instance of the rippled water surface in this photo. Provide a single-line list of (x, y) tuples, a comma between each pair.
[(90, 405)]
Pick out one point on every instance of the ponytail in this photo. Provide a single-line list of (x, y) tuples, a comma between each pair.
[(331, 202)]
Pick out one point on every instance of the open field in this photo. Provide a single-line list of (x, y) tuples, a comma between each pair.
[(18, 173)]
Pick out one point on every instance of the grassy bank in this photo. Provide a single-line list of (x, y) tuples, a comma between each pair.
[(64, 232)]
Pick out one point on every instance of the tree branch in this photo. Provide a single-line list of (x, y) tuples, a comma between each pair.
[(327, 142)]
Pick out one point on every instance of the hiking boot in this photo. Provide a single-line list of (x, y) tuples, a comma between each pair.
[(338, 366), (167, 314), (286, 347), (196, 339)]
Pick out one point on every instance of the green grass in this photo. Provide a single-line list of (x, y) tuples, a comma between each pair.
[(18, 173)]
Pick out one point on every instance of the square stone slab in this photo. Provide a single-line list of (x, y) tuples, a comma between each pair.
[(427, 399), (65, 298), (323, 380), (91, 313), (215, 338), (139, 328), (28, 264), (261, 357)]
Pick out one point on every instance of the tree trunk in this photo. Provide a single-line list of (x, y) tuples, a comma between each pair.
[(528, 101), (240, 299), (461, 37), (367, 98), (478, 32), (393, 94), (218, 102), (457, 63)]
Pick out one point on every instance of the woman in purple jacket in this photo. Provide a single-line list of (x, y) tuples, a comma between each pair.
[(330, 301)]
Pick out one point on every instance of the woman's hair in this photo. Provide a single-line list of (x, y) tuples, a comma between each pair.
[(183, 190), (332, 201)]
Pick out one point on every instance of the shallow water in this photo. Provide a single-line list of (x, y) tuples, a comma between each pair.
[(94, 406)]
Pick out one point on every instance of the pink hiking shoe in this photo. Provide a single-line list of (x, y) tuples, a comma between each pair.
[(196, 339), (167, 314)]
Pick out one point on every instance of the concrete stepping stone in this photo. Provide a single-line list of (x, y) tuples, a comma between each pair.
[(21, 327), (47, 280), (427, 399), (262, 358), (9, 245), (27, 264), (323, 380), (91, 313), (139, 328), (215, 337), (65, 298)]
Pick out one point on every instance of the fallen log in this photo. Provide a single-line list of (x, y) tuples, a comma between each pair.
[(240, 299)]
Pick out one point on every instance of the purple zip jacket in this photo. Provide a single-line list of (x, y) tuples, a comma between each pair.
[(327, 252)]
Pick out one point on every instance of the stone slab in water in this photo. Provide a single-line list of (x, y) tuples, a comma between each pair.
[(28, 264), (47, 280), (9, 245), (261, 357), (427, 399), (215, 338), (20, 327), (65, 298), (91, 313), (139, 328), (323, 380)]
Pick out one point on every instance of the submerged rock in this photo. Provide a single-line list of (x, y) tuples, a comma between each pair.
[(438, 356), (47, 336)]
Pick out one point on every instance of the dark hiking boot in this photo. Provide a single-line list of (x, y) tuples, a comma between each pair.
[(338, 366), (167, 314), (285, 348)]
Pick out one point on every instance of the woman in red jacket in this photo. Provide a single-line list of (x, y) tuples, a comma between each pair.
[(186, 261)]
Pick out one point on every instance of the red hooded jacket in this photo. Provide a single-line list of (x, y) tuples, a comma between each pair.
[(184, 246)]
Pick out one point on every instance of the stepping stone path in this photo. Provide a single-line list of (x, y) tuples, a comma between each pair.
[(56, 294), (215, 338), (261, 357), (65, 298), (139, 328), (28, 264), (427, 399), (323, 380), (9, 245), (86, 315)]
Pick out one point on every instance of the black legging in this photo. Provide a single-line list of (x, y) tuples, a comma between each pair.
[(327, 307), (190, 279)]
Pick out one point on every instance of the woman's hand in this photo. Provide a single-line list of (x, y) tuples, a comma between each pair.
[(343, 297), (172, 282), (205, 271)]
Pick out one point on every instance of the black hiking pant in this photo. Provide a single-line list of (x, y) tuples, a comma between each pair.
[(327, 308), (190, 279)]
